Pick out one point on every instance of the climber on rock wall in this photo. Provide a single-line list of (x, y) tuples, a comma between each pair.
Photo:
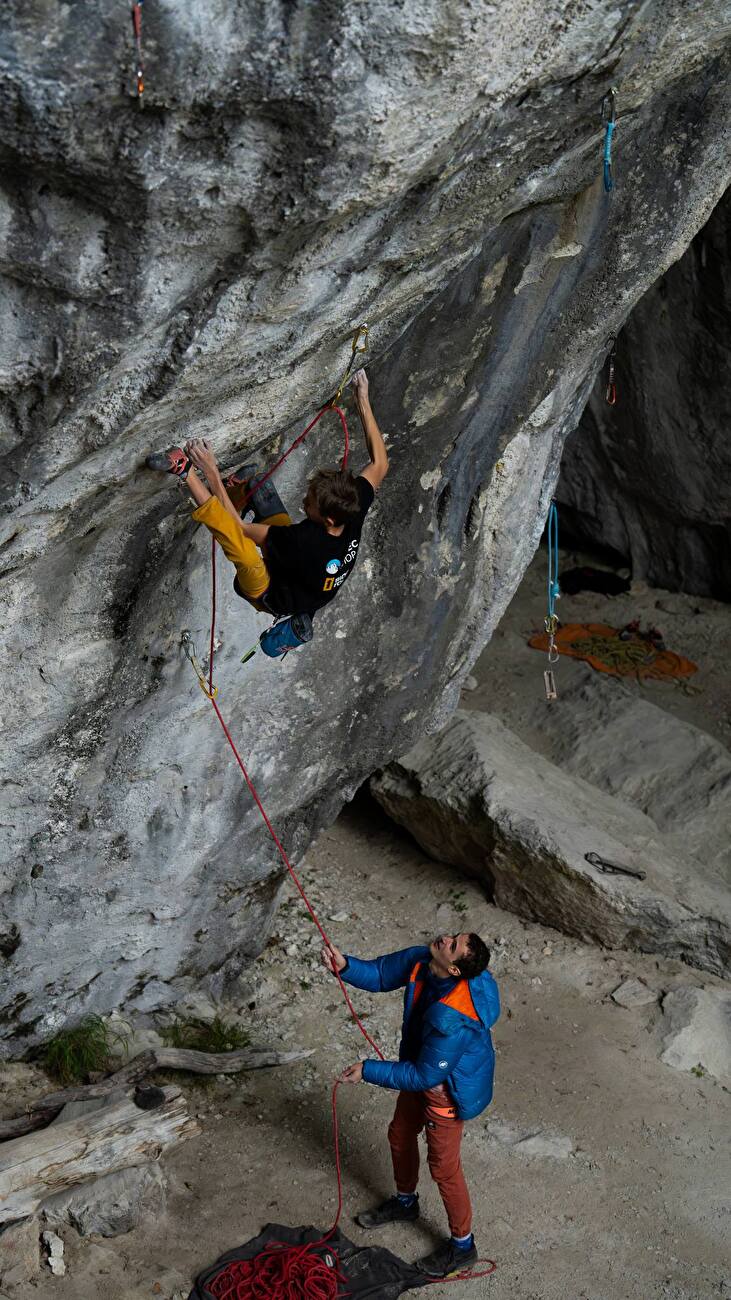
[(444, 1075), (284, 568)]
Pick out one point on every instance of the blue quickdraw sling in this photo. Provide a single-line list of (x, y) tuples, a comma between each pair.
[(609, 115)]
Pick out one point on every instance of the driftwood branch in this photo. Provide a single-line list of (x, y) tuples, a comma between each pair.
[(46, 1108), (119, 1136)]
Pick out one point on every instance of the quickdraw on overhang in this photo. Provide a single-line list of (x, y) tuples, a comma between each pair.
[(551, 619), (137, 29), (609, 117), (610, 392)]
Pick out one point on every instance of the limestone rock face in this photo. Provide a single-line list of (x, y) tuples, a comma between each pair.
[(650, 477), (477, 797), (198, 267)]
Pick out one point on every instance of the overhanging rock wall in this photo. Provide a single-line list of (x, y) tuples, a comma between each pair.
[(198, 268), (650, 477)]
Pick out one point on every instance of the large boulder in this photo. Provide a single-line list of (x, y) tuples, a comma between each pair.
[(477, 797), (643, 754), (199, 267)]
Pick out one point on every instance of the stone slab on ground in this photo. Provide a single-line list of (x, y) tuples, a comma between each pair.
[(479, 798), (633, 993), (696, 1031)]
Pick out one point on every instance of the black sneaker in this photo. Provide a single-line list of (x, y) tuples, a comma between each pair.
[(391, 1211), (447, 1260), (172, 461)]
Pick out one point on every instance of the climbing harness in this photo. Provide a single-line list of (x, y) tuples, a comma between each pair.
[(137, 29), (609, 116), (610, 392), (551, 620), (613, 868), (189, 649)]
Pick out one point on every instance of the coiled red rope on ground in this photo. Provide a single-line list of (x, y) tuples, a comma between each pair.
[(281, 1272)]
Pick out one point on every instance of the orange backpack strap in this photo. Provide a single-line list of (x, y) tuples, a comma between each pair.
[(460, 999)]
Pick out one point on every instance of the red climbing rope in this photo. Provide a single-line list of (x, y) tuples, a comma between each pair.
[(300, 439), (292, 872), (281, 1272)]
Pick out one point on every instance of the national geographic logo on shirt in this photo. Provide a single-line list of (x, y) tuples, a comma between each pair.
[(334, 579)]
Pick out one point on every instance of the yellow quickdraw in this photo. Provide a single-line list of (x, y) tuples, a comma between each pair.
[(358, 347), (191, 653)]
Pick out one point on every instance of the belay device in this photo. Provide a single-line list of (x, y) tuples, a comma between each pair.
[(285, 634)]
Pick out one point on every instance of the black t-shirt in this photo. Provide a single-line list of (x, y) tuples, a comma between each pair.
[(308, 566)]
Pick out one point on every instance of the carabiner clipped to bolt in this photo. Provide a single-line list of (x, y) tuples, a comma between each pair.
[(357, 348), (551, 626), (191, 653)]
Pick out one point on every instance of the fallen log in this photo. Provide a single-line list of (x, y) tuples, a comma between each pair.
[(42, 1111), (119, 1136)]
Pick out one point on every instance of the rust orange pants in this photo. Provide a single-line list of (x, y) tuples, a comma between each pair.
[(433, 1112)]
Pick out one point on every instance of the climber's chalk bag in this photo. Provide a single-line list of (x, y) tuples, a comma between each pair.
[(286, 634)]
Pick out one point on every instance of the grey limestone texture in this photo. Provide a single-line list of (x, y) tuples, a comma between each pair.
[(650, 477), (198, 268), (640, 753), (476, 796), (633, 993), (20, 1253), (696, 1031), (112, 1205)]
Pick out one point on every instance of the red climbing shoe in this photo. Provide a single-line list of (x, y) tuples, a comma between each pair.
[(172, 461)]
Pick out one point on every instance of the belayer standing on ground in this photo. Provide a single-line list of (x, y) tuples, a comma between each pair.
[(284, 568), (444, 1075)]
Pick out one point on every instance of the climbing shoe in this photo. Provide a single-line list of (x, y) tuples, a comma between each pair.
[(172, 461), (447, 1259), (391, 1211), (248, 494), (237, 486)]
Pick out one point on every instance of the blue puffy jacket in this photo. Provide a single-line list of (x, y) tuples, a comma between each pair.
[(456, 1047)]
